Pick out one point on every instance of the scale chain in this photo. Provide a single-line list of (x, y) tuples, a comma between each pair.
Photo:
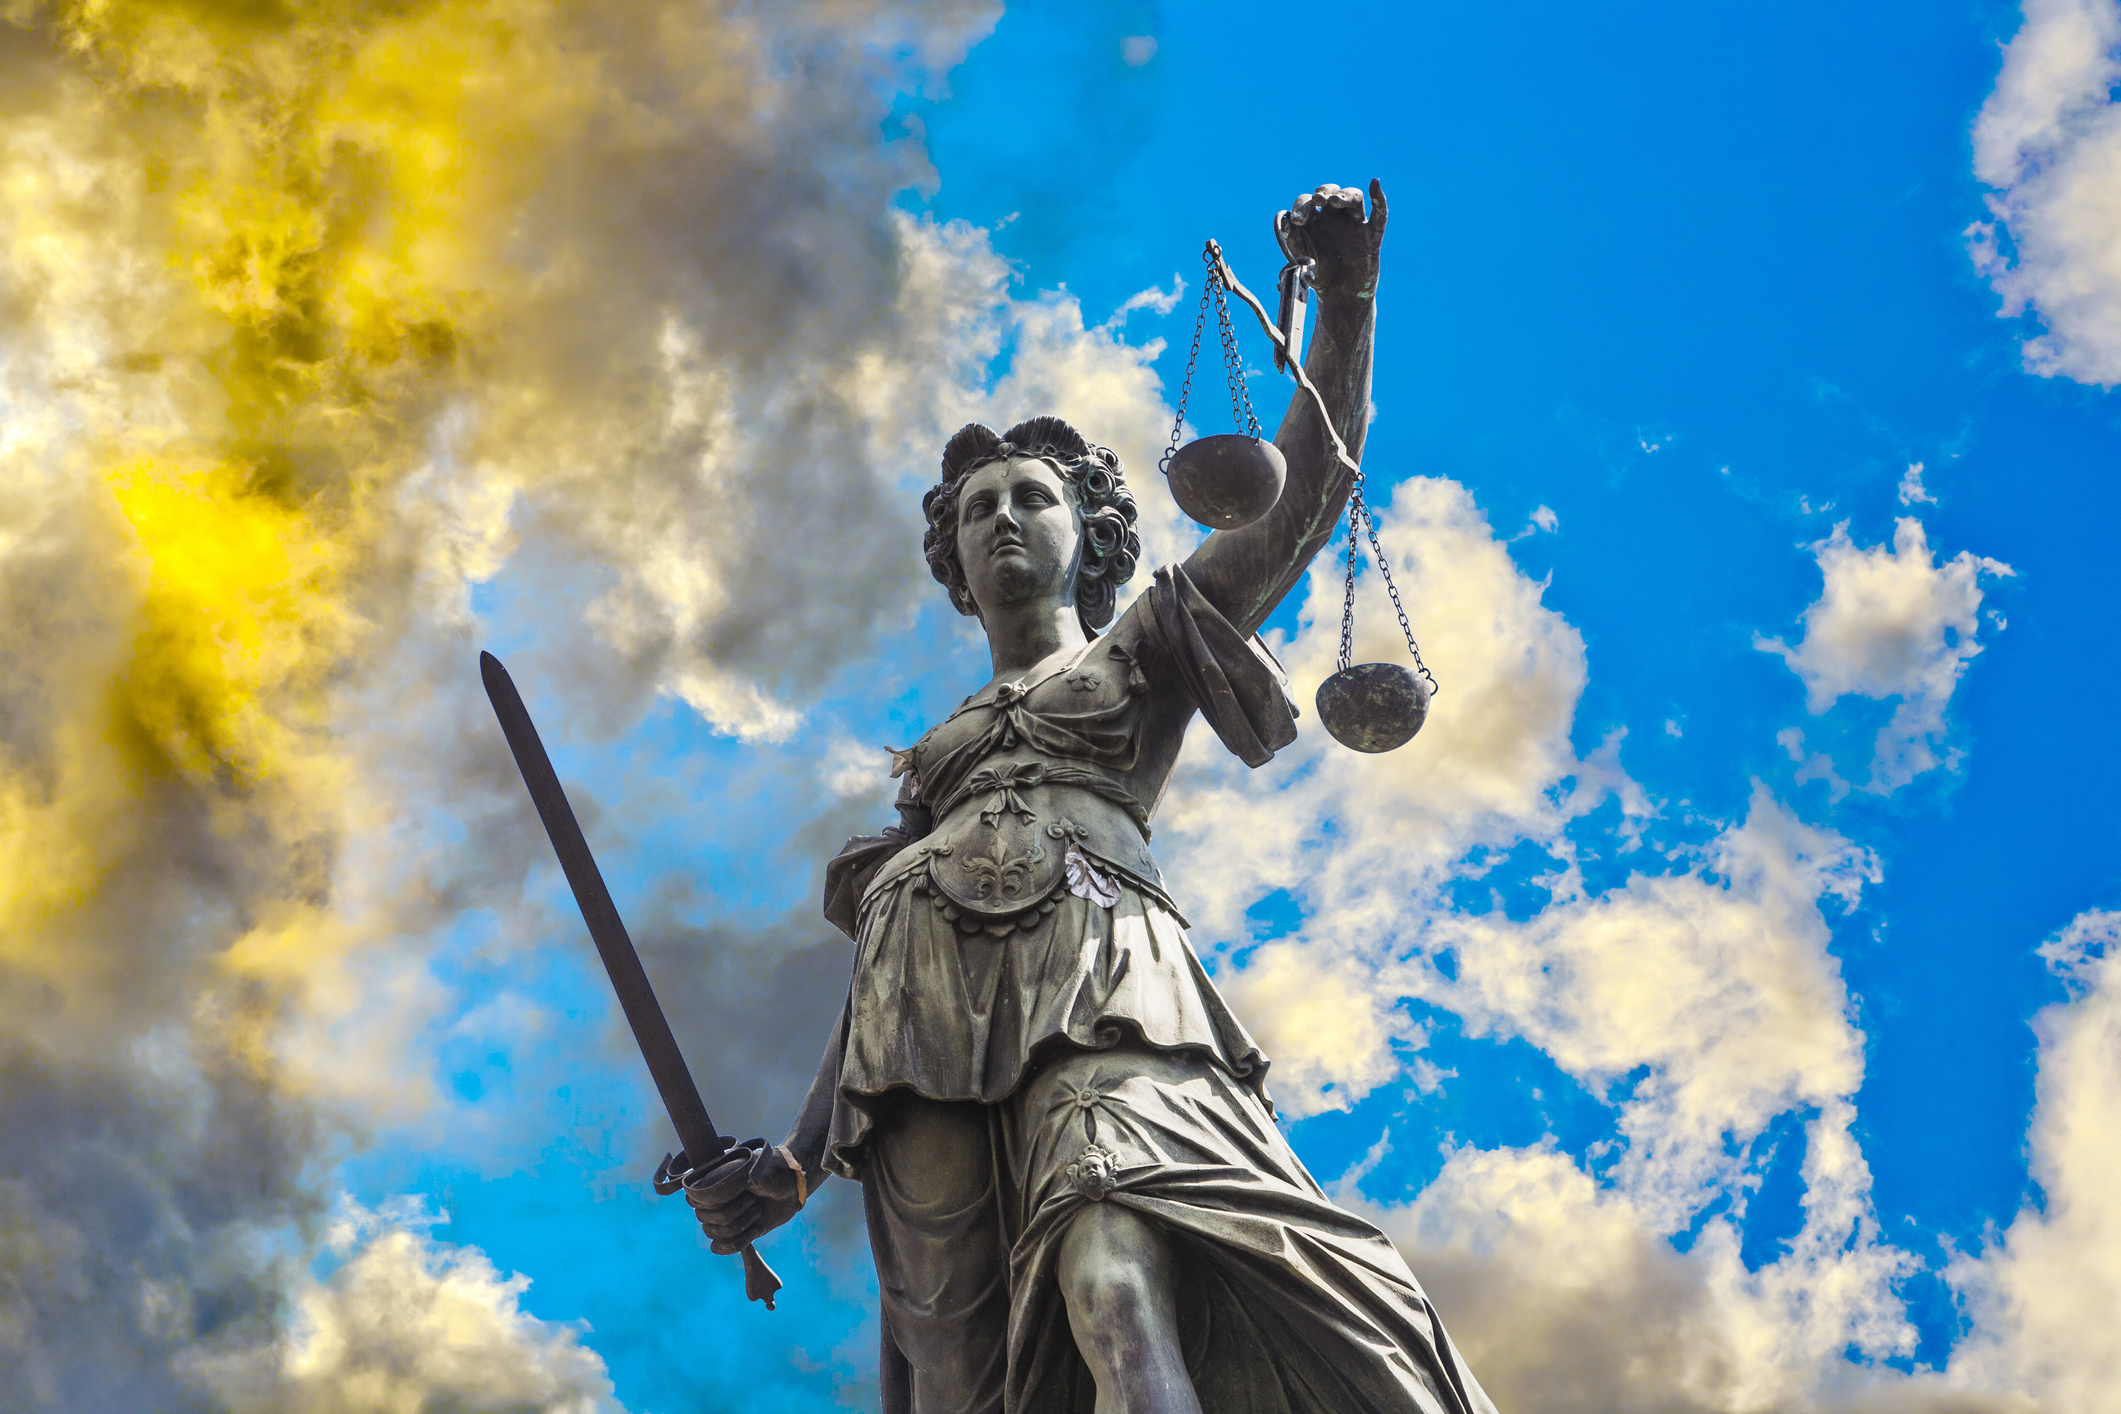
[(1215, 290), (1360, 519), (1384, 567), (1221, 283), (1233, 358), (1347, 603), (1185, 388)]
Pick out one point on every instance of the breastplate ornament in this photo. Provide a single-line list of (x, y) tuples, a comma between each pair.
[(1015, 841), (995, 865)]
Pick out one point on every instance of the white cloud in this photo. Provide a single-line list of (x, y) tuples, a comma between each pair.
[(1363, 840), (406, 1323), (1891, 622), (1912, 491), (1568, 1300), (1329, 1029), (2049, 142), (2044, 1300), (1716, 986), (1542, 518), (1703, 1003), (1815, 766)]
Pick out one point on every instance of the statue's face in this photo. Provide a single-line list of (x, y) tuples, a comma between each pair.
[(1019, 534)]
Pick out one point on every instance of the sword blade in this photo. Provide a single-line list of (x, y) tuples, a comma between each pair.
[(651, 1031), (702, 1142)]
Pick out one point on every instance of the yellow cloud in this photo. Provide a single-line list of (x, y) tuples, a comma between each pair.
[(310, 314), (240, 596)]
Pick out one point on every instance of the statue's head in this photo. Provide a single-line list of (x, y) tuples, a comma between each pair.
[(1032, 511)]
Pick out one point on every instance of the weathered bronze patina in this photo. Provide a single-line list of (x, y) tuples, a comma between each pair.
[(1227, 480), (1076, 1194), (1373, 706)]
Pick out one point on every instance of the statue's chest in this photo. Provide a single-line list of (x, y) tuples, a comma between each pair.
[(1023, 777), (1025, 831), (1086, 710)]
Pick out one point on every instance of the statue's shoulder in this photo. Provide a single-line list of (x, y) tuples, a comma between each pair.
[(1133, 639), (1230, 675)]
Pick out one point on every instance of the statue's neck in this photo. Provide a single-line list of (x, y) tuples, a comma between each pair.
[(1021, 636)]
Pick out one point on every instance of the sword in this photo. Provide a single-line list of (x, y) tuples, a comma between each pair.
[(702, 1142)]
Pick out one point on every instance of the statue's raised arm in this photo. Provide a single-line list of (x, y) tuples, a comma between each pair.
[(1245, 572)]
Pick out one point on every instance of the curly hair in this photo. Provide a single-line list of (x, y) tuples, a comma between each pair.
[(1110, 545)]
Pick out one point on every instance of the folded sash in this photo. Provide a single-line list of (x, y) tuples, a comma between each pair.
[(1232, 678)]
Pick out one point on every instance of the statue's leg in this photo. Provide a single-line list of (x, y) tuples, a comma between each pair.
[(1120, 1282), (935, 1226)]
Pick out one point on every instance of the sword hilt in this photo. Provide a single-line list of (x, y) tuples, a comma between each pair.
[(760, 1283)]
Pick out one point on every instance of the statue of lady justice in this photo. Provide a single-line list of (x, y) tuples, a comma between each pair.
[(1076, 1194)]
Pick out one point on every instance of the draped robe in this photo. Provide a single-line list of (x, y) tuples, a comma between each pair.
[(1016, 952)]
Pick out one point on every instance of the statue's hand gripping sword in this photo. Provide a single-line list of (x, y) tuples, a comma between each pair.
[(702, 1142)]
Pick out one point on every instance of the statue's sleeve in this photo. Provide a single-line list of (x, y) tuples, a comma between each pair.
[(1230, 676), (850, 871)]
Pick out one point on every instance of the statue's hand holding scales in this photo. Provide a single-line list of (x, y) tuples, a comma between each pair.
[(1344, 244), (1229, 481)]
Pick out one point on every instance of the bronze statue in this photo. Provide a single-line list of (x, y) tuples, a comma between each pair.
[(1076, 1194)]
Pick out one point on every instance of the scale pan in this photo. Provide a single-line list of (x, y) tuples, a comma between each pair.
[(1227, 480), (1373, 706)]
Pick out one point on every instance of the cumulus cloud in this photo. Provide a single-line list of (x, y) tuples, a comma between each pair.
[(1891, 622), (1700, 1000), (1359, 840), (1329, 1028), (1481, 773), (1567, 1295), (2048, 142), (1702, 1005), (2041, 1298), (1567, 1299), (1715, 988), (407, 1323)]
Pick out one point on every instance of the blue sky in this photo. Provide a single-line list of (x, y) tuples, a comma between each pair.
[(1716, 1001), (1695, 280)]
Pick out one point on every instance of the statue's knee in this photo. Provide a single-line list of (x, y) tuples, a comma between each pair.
[(1115, 1270), (1110, 1292)]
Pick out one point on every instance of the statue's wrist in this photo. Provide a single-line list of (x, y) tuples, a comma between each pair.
[(782, 1156), (808, 1153), (1347, 303), (1344, 323)]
